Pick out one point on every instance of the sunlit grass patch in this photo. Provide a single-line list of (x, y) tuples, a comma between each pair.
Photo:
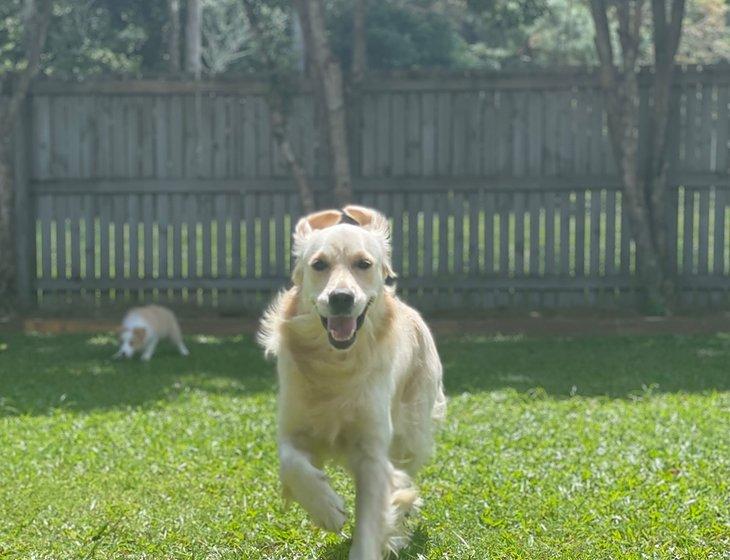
[(553, 448)]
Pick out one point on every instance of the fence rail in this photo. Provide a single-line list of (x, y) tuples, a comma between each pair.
[(501, 190)]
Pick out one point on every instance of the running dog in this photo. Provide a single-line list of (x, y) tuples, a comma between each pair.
[(143, 327), (360, 379)]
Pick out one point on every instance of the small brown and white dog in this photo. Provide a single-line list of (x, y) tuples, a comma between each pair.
[(143, 327), (360, 379)]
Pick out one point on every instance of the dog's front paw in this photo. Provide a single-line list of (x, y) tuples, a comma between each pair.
[(329, 512), (324, 505)]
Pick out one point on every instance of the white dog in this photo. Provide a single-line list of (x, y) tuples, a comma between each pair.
[(360, 378), (143, 327)]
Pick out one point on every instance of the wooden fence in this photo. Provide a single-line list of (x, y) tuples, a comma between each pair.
[(501, 188)]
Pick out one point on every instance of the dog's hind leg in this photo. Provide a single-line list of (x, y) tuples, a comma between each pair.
[(177, 339), (403, 500), (308, 485)]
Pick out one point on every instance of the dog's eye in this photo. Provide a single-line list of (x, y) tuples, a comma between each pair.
[(319, 265), (363, 264)]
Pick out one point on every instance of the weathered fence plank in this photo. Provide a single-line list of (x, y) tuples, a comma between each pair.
[(501, 190)]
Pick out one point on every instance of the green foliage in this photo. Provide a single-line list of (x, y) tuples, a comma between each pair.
[(497, 34), (587, 448), (404, 34), (88, 37), (225, 34), (91, 37), (276, 28), (230, 46), (563, 35), (706, 33), (11, 35), (399, 35)]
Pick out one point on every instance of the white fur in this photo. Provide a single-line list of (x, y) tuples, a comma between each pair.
[(157, 323), (371, 407)]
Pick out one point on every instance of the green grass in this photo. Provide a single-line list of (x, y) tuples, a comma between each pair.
[(554, 448)]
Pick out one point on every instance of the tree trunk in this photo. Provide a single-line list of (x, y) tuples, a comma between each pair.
[(35, 39), (621, 87), (329, 76), (278, 113), (278, 125), (193, 39), (173, 36), (636, 204), (7, 244), (359, 42), (666, 37)]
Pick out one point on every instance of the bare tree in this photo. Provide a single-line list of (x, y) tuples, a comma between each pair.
[(644, 188), (36, 29), (193, 38), (328, 73), (278, 108), (173, 35), (666, 37)]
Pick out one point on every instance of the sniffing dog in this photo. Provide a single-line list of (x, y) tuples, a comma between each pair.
[(143, 327), (360, 378)]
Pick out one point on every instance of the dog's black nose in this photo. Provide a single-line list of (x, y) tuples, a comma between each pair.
[(341, 301)]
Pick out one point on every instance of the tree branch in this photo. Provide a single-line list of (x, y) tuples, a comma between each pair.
[(629, 26), (675, 27), (659, 20), (603, 43), (277, 111), (329, 72)]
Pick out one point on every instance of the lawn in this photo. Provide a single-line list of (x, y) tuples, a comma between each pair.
[(553, 448)]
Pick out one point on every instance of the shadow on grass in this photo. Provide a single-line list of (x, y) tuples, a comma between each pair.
[(40, 374), (418, 545), (74, 372), (616, 367)]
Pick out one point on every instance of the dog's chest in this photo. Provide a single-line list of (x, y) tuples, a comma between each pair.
[(333, 415), (331, 418)]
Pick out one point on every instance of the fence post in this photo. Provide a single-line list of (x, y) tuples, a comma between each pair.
[(24, 219)]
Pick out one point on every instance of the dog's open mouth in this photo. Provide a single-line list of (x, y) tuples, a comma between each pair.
[(342, 329)]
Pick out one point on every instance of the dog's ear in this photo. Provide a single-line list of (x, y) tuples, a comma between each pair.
[(388, 273), (368, 218), (318, 220), (305, 226)]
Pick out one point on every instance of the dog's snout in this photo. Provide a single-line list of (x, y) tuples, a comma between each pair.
[(341, 301)]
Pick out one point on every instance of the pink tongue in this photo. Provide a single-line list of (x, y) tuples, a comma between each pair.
[(341, 328)]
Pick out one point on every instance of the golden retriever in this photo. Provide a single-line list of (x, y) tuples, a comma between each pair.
[(360, 379)]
